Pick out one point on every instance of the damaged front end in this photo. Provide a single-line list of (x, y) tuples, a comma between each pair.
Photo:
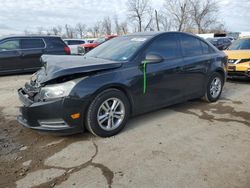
[(50, 102)]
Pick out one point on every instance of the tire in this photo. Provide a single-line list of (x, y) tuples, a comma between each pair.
[(213, 94), (101, 108)]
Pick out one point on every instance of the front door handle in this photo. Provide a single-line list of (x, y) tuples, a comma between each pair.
[(21, 54), (179, 69)]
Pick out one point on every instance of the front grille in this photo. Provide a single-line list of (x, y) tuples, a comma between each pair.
[(30, 89)]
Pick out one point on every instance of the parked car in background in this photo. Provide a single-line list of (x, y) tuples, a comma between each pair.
[(221, 43), (239, 58), (125, 76), (97, 42), (231, 39), (75, 45), (22, 53), (91, 40)]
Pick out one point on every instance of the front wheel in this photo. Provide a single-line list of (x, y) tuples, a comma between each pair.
[(214, 87), (108, 113)]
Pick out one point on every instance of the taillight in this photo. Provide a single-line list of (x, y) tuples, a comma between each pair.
[(67, 50)]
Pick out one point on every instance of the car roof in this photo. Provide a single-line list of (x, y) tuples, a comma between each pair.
[(28, 36), (148, 33), (157, 33), (75, 39)]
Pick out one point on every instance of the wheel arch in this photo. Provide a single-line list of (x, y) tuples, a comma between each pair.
[(222, 73), (119, 87)]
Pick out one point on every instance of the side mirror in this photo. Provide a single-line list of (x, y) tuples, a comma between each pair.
[(153, 58)]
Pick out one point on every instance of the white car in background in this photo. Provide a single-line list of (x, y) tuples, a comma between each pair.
[(75, 45)]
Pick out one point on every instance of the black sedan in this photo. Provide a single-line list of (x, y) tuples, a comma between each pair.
[(125, 76)]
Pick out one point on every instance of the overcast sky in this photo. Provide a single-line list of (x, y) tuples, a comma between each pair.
[(19, 15)]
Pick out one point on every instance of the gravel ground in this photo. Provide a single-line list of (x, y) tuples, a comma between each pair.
[(194, 144)]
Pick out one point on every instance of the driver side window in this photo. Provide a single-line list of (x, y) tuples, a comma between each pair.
[(10, 45), (165, 46)]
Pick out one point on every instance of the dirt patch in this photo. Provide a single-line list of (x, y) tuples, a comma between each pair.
[(13, 137)]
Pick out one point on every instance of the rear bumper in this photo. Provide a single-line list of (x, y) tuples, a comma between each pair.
[(52, 116)]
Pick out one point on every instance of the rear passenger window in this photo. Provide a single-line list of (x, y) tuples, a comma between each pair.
[(166, 46), (10, 45), (190, 45), (32, 43)]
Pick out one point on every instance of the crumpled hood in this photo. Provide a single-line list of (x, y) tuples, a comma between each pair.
[(56, 66)]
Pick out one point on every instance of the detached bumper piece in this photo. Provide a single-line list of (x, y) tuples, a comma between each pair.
[(51, 116)]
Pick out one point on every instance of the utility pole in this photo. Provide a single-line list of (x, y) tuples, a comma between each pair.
[(157, 20)]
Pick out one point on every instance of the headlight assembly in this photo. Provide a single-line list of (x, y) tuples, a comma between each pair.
[(57, 90)]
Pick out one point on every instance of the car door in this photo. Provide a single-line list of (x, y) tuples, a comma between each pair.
[(164, 79), (31, 51), (196, 60), (10, 56)]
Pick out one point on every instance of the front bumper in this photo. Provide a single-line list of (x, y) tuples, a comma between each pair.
[(239, 74), (238, 71), (52, 116)]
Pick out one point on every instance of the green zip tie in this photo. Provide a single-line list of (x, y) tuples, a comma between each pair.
[(144, 77)]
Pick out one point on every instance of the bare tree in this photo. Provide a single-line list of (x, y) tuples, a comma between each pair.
[(107, 26), (165, 23), (49, 32), (138, 11), (57, 30), (218, 28), (81, 29), (204, 13), (95, 31), (40, 30), (26, 32), (179, 11), (118, 29), (70, 33), (124, 27)]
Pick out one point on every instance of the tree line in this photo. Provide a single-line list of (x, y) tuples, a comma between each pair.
[(194, 16)]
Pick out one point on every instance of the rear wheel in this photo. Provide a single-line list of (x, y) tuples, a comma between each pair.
[(108, 113), (214, 87)]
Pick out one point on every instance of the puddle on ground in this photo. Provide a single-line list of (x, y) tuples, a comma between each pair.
[(214, 108)]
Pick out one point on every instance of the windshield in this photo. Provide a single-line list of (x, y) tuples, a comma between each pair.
[(118, 49), (240, 44)]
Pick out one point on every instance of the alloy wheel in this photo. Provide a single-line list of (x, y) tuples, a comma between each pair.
[(111, 114), (215, 87)]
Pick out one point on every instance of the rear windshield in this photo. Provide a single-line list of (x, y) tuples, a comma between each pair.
[(53, 43)]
